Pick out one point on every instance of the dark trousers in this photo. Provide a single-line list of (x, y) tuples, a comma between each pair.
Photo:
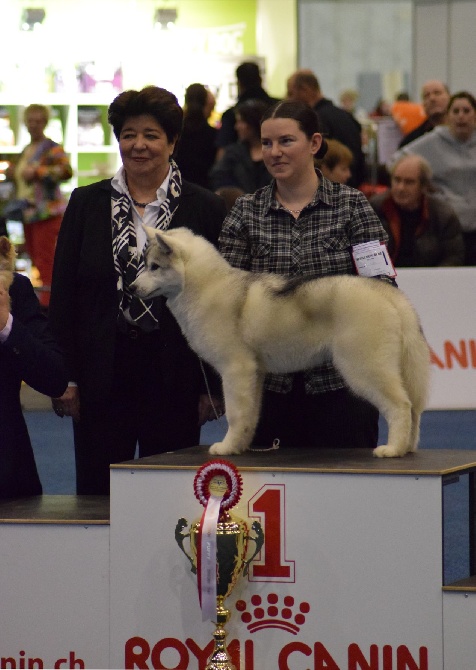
[(332, 420), (142, 409)]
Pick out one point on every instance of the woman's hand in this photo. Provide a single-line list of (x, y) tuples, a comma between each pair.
[(67, 404), (209, 409)]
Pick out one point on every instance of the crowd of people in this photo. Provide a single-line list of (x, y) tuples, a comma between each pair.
[(277, 187)]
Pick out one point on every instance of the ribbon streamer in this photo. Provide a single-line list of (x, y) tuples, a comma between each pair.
[(207, 558)]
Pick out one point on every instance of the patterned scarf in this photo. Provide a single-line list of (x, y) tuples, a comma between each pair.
[(129, 261)]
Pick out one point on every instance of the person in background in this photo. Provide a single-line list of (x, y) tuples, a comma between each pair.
[(250, 87), (435, 98), (133, 378), (336, 123), (423, 229), (450, 149), (348, 100), (407, 114), (303, 226), (241, 164), (28, 353), (382, 109), (230, 195), (336, 163), (41, 167), (196, 150)]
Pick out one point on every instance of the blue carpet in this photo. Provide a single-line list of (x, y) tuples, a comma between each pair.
[(52, 440)]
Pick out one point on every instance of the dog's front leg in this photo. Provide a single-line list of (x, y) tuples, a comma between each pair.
[(242, 389)]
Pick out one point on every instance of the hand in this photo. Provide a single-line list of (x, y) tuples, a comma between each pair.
[(4, 306), (208, 410), (68, 403)]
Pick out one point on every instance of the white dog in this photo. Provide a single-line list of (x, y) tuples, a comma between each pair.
[(247, 324)]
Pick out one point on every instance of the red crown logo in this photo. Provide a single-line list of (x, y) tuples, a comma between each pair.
[(270, 614)]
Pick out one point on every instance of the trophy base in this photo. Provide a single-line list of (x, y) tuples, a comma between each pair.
[(220, 664), (220, 659)]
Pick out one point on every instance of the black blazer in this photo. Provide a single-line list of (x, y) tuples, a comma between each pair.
[(84, 303), (29, 354)]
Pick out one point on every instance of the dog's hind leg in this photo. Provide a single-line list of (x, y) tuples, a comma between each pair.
[(242, 389), (416, 372), (383, 387), (415, 431), (398, 415)]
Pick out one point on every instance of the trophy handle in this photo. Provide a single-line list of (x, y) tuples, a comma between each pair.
[(258, 540), (180, 537)]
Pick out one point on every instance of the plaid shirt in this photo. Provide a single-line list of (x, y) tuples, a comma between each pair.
[(261, 236)]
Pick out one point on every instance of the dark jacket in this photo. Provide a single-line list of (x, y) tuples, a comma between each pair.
[(340, 125), (236, 168), (438, 240), (227, 133), (196, 152), (29, 354), (84, 302)]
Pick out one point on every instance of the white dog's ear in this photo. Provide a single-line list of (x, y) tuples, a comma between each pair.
[(164, 247), (153, 235), (150, 232)]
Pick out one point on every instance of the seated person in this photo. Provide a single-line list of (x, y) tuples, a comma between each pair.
[(423, 229), (27, 353), (336, 163)]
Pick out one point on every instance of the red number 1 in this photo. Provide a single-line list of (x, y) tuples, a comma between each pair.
[(273, 567)]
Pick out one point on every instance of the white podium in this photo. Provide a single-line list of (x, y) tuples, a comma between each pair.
[(350, 576), (54, 582)]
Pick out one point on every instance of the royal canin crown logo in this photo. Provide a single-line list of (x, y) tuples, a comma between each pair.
[(288, 615)]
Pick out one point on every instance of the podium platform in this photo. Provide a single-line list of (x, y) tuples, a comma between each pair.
[(350, 576), (54, 582)]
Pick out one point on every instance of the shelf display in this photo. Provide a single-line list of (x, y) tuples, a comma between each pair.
[(78, 123)]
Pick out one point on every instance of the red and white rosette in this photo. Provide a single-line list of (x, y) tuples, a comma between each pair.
[(217, 486)]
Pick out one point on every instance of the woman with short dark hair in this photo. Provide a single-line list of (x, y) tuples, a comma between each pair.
[(133, 378)]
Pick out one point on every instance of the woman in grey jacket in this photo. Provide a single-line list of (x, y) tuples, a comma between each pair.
[(451, 152)]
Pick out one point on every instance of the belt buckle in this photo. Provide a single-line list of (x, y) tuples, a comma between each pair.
[(133, 333)]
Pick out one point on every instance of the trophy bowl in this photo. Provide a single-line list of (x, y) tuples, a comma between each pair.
[(232, 544)]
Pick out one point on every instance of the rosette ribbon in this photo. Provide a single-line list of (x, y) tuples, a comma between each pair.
[(226, 493)]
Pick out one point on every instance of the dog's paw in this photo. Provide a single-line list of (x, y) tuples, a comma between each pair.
[(222, 449), (387, 451)]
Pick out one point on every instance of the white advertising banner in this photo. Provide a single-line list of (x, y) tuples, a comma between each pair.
[(445, 301), (349, 577)]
